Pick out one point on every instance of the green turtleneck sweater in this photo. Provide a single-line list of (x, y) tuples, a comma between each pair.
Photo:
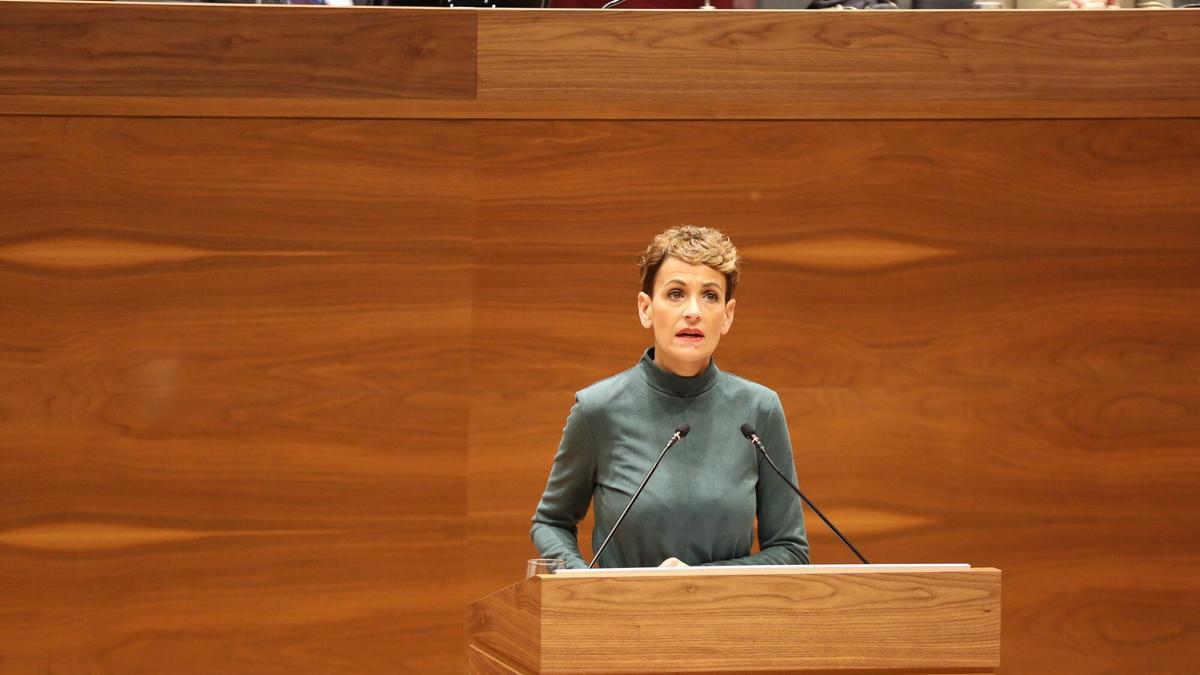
[(701, 504)]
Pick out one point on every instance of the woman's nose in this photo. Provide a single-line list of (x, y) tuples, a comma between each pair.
[(692, 308)]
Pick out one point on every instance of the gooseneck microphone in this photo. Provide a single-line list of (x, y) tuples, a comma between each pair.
[(749, 433), (680, 431)]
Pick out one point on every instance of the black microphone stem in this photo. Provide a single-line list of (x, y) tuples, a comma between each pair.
[(680, 432), (758, 444)]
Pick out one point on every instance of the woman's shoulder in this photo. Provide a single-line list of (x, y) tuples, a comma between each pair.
[(739, 386), (610, 388)]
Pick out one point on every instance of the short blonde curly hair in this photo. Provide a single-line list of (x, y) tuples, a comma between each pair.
[(694, 245)]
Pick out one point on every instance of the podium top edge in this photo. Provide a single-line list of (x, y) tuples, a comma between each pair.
[(766, 569)]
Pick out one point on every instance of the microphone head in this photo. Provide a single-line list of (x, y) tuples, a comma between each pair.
[(683, 429), (747, 430)]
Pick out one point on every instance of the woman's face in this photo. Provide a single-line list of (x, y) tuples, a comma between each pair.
[(688, 314)]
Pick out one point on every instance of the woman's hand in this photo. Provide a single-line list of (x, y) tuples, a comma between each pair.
[(673, 562)]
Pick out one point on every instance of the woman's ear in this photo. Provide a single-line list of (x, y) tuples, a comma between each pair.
[(643, 304)]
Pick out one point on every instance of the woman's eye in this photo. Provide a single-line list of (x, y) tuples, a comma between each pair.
[(675, 293), (711, 297)]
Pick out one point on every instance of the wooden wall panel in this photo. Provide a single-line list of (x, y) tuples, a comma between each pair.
[(386, 62), (1008, 379), (232, 368), (881, 65), (88, 49)]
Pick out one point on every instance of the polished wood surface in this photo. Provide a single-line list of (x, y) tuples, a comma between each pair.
[(725, 620), (403, 108), (508, 625), (231, 437), (384, 62), (481, 662), (94, 49), (287, 339), (878, 59)]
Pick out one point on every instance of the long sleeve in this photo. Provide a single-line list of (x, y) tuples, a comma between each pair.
[(555, 531), (781, 534)]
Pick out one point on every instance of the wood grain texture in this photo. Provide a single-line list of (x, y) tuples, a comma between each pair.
[(507, 624), (868, 60), (229, 384), (80, 50), (778, 621), (480, 662), (405, 108), (381, 62)]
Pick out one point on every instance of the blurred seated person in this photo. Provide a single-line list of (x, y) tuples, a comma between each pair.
[(561, 4), (654, 4)]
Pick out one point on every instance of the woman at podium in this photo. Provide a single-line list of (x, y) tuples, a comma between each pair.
[(702, 504)]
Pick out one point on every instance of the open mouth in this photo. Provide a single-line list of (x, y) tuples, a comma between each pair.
[(690, 334)]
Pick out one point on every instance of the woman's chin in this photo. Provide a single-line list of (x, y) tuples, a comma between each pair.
[(683, 360)]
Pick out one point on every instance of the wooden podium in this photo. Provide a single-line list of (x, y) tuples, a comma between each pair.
[(849, 620)]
